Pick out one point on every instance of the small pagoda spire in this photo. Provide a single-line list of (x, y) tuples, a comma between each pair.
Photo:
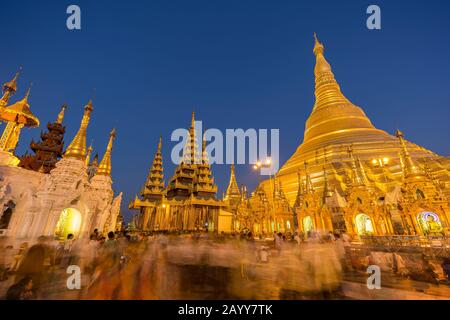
[(411, 170), (193, 120), (204, 181), (358, 172), (77, 148), (9, 88), (190, 152), (88, 155), (309, 185), (104, 168), (233, 192), (300, 192), (326, 189), (92, 167), (205, 158), (154, 185), (60, 118)]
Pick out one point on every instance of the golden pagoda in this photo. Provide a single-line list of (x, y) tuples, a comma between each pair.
[(104, 169), (189, 202), (233, 194), (77, 148), (349, 175), (154, 186)]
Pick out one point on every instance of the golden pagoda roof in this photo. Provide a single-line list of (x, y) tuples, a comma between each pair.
[(61, 113), (20, 112)]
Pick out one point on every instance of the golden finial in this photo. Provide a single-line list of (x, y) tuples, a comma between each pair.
[(77, 148), (193, 120), (61, 114), (411, 169), (318, 47), (159, 144), (105, 165), (89, 105), (25, 99)]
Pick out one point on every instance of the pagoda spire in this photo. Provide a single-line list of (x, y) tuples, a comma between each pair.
[(17, 116), (204, 153), (104, 169), (326, 190), (233, 188), (233, 192), (154, 185), (300, 192), (92, 167), (77, 148), (204, 182), (190, 155), (9, 88), (358, 178), (332, 111), (88, 155), (327, 90), (60, 118), (411, 170), (308, 182), (47, 152)]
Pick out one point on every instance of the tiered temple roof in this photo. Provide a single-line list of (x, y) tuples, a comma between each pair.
[(154, 186), (49, 150)]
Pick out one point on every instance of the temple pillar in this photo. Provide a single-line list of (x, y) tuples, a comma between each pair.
[(146, 218)]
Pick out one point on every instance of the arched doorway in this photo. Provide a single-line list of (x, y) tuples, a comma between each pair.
[(364, 225), (308, 225), (69, 223), (430, 223)]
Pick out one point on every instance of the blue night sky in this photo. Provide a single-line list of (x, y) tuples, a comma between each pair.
[(239, 64)]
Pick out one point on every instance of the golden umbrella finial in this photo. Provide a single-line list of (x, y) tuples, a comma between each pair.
[(20, 112), (318, 47)]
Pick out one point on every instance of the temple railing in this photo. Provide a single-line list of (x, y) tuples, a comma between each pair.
[(436, 245)]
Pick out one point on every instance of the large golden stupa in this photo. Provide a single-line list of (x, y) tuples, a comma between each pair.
[(334, 126), (347, 175)]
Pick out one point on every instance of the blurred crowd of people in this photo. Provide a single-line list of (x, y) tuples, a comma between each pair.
[(185, 266)]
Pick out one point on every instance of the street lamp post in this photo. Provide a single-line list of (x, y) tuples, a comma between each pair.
[(257, 167)]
